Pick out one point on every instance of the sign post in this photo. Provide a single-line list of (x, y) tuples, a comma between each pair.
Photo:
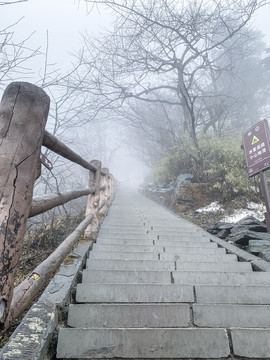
[(256, 143)]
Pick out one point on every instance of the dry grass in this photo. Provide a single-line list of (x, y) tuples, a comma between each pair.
[(38, 245)]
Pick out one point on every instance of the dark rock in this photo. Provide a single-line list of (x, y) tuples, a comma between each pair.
[(243, 237), (220, 226), (184, 179), (252, 221), (184, 199), (257, 246), (213, 232), (242, 228), (265, 254), (223, 234)]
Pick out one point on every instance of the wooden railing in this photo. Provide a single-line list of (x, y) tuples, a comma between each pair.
[(23, 114)]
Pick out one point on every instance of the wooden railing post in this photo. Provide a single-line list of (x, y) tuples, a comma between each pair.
[(93, 199), (112, 185), (104, 192), (23, 115)]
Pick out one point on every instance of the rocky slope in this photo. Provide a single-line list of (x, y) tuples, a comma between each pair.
[(190, 198)]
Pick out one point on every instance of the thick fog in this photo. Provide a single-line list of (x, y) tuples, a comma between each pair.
[(56, 29)]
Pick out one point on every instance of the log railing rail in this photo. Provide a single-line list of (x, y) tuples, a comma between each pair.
[(23, 114)]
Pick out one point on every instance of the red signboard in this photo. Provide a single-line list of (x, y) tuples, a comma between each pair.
[(256, 143)]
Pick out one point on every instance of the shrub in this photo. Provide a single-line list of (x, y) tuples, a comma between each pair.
[(224, 166), (178, 160)]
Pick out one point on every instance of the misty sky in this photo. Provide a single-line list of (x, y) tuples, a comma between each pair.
[(66, 19)]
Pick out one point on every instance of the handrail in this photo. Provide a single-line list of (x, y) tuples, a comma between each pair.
[(30, 287), (52, 143), (23, 114), (44, 203)]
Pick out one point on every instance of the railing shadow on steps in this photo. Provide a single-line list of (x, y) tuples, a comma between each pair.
[(23, 114)]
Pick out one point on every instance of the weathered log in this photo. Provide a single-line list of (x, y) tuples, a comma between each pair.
[(52, 143), (93, 200), (23, 115), (44, 203), (27, 290)]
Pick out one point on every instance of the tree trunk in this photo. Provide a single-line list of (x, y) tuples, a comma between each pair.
[(23, 115)]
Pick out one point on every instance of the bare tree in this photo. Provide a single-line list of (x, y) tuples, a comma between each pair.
[(151, 129), (14, 56), (232, 96), (167, 46), (12, 2)]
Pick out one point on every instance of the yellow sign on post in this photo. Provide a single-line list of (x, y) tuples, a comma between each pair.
[(255, 140), (256, 143)]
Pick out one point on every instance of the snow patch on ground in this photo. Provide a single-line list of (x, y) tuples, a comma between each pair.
[(213, 207), (256, 210), (253, 209)]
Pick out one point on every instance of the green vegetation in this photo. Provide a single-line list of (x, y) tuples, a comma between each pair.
[(223, 166)]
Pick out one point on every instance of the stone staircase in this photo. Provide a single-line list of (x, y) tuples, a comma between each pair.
[(155, 286)]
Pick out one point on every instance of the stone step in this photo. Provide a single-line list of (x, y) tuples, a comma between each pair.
[(191, 240), (171, 226), (172, 233), (105, 264), (213, 266), (127, 248), (174, 227), (228, 316), (116, 226), (122, 241), (162, 222), (128, 315), (210, 294), (221, 278), (124, 235), (177, 277), (189, 244), (147, 241), (133, 293), (149, 343), (165, 256), (151, 248), (124, 255), (150, 255), (109, 231), (114, 221), (251, 343), (126, 276), (187, 237), (198, 257), (199, 250)]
